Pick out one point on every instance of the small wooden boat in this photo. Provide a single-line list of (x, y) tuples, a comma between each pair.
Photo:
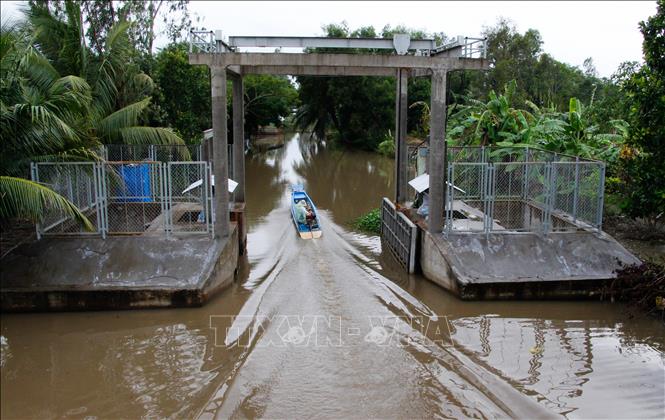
[(299, 198)]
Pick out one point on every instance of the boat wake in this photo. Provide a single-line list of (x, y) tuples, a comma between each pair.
[(319, 313)]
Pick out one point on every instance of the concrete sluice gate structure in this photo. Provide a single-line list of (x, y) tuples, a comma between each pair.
[(501, 224), (152, 243), (519, 223)]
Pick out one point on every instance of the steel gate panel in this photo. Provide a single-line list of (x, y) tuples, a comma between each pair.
[(399, 234)]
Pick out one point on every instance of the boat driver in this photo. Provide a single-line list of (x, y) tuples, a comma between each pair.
[(310, 216)]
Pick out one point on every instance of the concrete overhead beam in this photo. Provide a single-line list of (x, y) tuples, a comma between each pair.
[(467, 64), (336, 60), (233, 71), (318, 70), (320, 42)]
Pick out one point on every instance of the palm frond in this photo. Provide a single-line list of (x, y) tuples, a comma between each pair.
[(26, 199), (128, 116), (38, 70), (150, 135)]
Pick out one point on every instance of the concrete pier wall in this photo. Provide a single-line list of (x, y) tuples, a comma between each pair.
[(65, 274), (522, 265)]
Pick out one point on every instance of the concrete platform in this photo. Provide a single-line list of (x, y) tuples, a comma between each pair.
[(522, 265), (56, 274)]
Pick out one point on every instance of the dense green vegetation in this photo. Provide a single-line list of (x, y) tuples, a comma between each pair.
[(79, 74), (183, 94), (527, 98), (358, 110), (60, 100), (76, 75), (642, 169), (369, 222)]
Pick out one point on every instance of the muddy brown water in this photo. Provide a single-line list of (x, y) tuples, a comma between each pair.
[(332, 328)]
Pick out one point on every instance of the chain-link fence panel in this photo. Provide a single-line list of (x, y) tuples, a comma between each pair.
[(177, 153), (468, 180), (509, 208), (467, 191), (152, 152), (539, 155), (78, 182), (588, 198), (565, 189), (536, 196), (189, 197), (466, 154), (509, 180), (577, 195), (135, 194), (505, 154), (128, 152), (591, 193)]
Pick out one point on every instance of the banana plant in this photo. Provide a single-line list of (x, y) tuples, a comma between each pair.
[(494, 122)]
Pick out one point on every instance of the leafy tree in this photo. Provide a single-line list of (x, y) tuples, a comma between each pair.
[(268, 100), (341, 104), (512, 55), (540, 78), (183, 92), (643, 168), (100, 16)]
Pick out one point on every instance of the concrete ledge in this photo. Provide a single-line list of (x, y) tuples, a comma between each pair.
[(63, 274), (522, 265)]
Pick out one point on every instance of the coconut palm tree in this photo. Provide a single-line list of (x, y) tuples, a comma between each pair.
[(39, 113), (120, 90), (60, 102)]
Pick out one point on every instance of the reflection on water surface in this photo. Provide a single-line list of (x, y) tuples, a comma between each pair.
[(579, 359)]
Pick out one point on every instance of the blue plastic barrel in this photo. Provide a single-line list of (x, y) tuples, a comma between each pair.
[(136, 182)]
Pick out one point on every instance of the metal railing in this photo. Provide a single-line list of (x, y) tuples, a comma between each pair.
[(80, 183), (203, 41), (211, 42), (129, 197), (521, 194), (468, 47)]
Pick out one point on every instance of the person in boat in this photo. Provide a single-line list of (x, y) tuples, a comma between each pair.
[(310, 217), (301, 212)]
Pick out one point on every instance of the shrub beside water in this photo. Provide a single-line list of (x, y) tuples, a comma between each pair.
[(370, 222), (387, 146), (641, 286)]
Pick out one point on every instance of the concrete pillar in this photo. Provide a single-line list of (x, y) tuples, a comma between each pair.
[(401, 150), (220, 151), (437, 151), (239, 139)]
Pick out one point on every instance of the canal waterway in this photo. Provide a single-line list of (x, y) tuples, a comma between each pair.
[(332, 328)]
